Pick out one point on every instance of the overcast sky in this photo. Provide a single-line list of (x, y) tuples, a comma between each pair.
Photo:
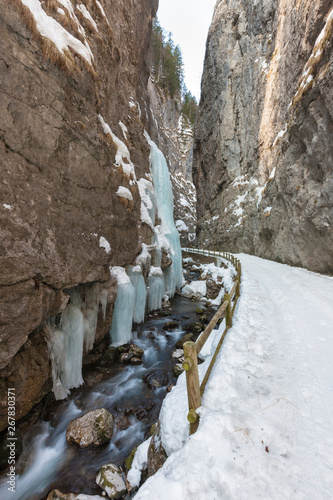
[(188, 21)]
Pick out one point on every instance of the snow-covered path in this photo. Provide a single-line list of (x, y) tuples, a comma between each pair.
[(266, 428)]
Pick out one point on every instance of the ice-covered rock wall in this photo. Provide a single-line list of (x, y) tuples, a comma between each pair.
[(157, 271), (73, 91)]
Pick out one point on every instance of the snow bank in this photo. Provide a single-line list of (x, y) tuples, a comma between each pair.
[(195, 290), (139, 463)]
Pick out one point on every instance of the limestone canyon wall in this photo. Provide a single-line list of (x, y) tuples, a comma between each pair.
[(263, 152), (73, 82)]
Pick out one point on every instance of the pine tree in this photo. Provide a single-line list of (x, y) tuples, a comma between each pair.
[(189, 105)]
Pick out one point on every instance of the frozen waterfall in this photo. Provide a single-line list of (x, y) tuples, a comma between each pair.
[(164, 198)]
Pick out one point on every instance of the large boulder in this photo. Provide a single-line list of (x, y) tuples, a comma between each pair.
[(110, 479), (95, 427)]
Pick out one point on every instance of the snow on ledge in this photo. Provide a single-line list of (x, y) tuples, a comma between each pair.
[(83, 9), (103, 243), (51, 29), (122, 151), (124, 193)]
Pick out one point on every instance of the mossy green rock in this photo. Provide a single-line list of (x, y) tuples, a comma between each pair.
[(110, 479), (130, 458)]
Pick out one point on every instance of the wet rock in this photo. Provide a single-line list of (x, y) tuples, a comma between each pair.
[(57, 495), (93, 378), (171, 325), (109, 478), (200, 310), (137, 351), (130, 353), (95, 427), (156, 452), (195, 327), (136, 361), (122, 421), (186, 338), (170, 387), (125, 357), (156, 378), (178, 354), (110, 355), (140, 412), (178, 369), (213, 288)]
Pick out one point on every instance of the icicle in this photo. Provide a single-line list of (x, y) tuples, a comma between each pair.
[(104, 302), (72, 324), (121, 328), (137, 280), (65, 343), (89, 309), (77, 328), (155, 288)]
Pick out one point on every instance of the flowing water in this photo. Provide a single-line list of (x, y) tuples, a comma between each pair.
[(47, 460)]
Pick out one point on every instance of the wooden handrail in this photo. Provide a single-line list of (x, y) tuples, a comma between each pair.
[(211, 325), (191, 349)]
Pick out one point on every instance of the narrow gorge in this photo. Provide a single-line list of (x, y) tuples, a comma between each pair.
[(110, 172)]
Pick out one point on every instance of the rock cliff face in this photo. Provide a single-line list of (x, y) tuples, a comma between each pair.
[(263, 154), (72, 86), (173, 134)]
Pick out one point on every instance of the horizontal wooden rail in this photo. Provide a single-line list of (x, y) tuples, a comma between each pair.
[(191, 349)]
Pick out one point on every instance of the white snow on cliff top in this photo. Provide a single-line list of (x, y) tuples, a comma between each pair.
[(266, 414), (51, 29)]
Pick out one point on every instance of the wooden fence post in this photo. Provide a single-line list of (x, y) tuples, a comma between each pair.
[(228, 312), (238, 285), (190, 365)]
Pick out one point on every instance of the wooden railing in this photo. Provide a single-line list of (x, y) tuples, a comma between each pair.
[(192, 349)]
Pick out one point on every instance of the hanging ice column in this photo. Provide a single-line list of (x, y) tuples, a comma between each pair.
[(164, 197), (121, 328)]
